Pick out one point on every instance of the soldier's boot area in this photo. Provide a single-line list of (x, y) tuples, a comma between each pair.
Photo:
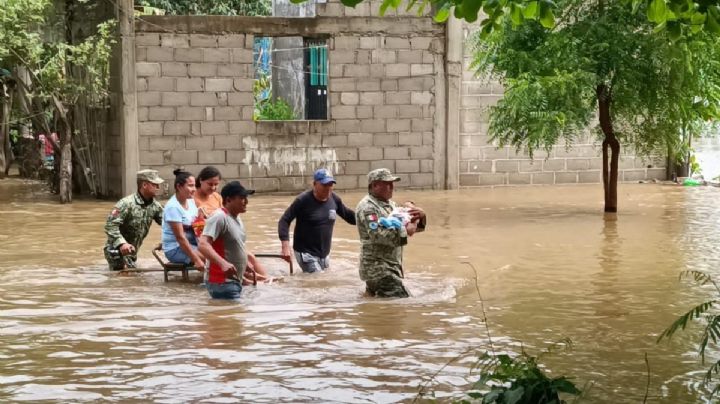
[(388, 286)]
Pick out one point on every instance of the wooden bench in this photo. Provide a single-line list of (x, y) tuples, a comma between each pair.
[(168, 266), (185, 269)]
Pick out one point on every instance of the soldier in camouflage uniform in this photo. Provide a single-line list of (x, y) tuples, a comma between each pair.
[(382, 247), (129, 222)]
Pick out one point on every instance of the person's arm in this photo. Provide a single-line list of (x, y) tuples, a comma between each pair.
[(346, 213), (112, 228), (179, 233), (284, 229), (158, 213), (393, 237), (206, 249)]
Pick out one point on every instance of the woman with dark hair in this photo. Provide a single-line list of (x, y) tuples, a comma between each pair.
[(178, 238), (208, 200)]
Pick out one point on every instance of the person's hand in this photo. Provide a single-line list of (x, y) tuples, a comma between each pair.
[(285, 252), (411, 228), (416, 214), (126, 249), (199, 264), (228, 269)]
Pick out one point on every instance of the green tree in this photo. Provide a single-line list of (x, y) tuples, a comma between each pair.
[(678, 16), (250, 8), (603, 60), (50, 77)]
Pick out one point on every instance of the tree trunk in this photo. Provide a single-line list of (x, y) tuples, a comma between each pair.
[(66, 171), (611, 162), (5, 150), (7, 94), (65, 181)]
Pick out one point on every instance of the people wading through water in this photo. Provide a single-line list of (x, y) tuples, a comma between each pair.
[(382, 236), (129, 222), (208, 200), (223, 243), (315, 212)]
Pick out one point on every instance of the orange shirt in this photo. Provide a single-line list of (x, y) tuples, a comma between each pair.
[(209, 205)]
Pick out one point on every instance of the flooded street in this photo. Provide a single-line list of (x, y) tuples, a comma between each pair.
[(548, 267)]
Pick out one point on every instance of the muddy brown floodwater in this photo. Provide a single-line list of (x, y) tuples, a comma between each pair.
[(548, 267)]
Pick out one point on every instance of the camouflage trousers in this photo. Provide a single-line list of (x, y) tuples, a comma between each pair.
[(391, 285), (118, 262)]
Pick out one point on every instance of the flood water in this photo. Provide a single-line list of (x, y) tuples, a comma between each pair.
[(548, 268)]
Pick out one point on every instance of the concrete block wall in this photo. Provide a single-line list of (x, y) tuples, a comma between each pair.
[(195, 104), (482, 163)]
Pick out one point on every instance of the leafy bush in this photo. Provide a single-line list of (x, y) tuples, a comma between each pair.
[(506, 380), (703, 312), (251, 8), (274, 110)]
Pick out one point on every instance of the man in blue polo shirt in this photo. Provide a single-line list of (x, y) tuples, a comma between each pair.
[(315, 211)]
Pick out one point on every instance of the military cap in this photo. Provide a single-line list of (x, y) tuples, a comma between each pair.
[(150, 176), (381, 174)]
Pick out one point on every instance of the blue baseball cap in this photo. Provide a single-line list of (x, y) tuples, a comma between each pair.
[(324, 176)]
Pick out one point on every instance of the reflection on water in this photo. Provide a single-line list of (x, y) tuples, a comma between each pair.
[(549, 267)]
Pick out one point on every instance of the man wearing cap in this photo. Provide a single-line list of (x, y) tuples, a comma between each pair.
[(382, 241), (223, 243), (315, 211), (128, 223)]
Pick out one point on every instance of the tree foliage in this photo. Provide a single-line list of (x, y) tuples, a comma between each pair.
[(52, 75), (250, 8), (601, 59), (679, 17), (657, 86)]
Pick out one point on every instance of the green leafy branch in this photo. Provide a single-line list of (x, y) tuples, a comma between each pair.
[(711, 331)]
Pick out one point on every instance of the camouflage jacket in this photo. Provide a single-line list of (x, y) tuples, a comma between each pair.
[(381, 248), (130, 220)]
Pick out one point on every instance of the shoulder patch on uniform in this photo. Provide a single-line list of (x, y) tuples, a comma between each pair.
[(371, 217), (115, 213)]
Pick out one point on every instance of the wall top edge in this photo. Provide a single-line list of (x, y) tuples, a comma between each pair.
[(284, 26)]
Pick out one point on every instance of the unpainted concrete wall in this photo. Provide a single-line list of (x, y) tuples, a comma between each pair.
[(195, 101), (482, 163)]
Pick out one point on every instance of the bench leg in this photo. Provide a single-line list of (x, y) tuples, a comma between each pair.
[(165, 272), (185, 275)]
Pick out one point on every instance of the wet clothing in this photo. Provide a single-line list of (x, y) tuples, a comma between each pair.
[(129, 222), (310, 263), (178, 256), (388, 286), (315, 222), (174, 212), (228, 240), (381, 248), (228, 290)]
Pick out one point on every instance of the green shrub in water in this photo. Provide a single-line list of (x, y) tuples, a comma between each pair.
[(507, 380), (702, 312)]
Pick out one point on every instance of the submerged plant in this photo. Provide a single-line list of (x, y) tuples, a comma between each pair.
[(510, 380), (701, 312), (505, 380)]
